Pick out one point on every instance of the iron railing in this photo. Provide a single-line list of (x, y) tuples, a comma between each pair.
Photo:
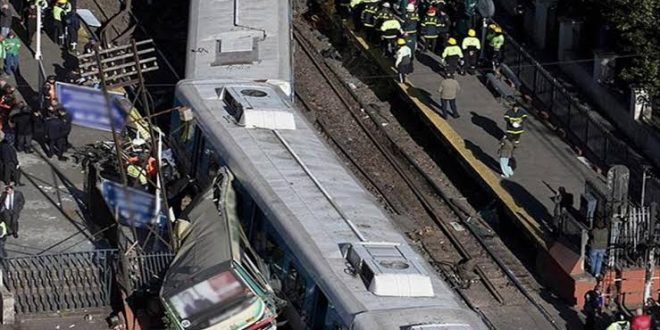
[(148, 270), (597, 142), (60, 282)]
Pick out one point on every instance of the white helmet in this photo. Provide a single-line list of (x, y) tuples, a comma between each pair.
[(386, 5), (410, 7)]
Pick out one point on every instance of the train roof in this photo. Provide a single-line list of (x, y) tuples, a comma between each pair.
[(263, 161), (209, 246), (246, 38)]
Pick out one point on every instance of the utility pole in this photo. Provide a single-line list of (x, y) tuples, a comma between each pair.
[(37, 49)]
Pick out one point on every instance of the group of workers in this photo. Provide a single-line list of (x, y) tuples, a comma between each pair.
[(421, 26), (60, 15)]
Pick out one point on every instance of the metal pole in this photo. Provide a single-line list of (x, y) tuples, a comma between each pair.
[(482, 54), (37, 49), (643, 187)]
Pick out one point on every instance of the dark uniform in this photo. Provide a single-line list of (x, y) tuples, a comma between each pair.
[(22, 120), (409, 23), (55, 131), (368, 16), (444, 25), (9, 159), (30, 17), (67, 119), (515, 118), (429, 31)]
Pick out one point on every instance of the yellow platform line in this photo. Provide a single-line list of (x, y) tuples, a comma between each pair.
[(530, 225)]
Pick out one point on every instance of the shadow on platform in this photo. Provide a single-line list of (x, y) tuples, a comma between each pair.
[(488, 125), (526, 200)]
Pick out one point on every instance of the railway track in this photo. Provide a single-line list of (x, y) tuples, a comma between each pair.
[(474, 260)]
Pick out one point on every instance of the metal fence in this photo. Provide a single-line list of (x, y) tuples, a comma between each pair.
[(147, 271), (60, 282), (599, 145)]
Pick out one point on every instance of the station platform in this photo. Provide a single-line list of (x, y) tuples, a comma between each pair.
[(543, 161)]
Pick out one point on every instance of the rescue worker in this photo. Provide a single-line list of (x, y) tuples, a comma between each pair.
[(368, 16), (495, 44), (355, 7), (137, 175), (409, 23), (593, 305), (60, 10), (72, 26), (403, 61), (5, 18), (444, 25), (471, 47), (515, 117), (620, 323), (452, 57), (390, 30), (48, 90), (430, 30), (67, 120)]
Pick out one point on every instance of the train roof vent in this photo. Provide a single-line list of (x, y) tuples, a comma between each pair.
[(389, 269), (257, 107)]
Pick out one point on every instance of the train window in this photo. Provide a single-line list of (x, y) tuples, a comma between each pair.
[(294, 287)]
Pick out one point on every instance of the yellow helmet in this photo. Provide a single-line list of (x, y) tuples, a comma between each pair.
[(62, 2), (498, 30), (400, 41), (451, 41), (472, 32)]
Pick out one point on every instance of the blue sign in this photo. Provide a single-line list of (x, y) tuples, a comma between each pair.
[(136, 207), (88, 107)]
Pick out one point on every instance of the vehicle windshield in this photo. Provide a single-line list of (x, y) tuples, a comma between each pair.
[(219, 292)]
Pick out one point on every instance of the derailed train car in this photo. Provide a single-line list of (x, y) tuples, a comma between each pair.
[(331, 251)]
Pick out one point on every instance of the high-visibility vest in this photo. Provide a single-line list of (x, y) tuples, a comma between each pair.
[(452, 51), (354, 3), (497, 41), (137, 173), (410, 21), (58, 13), (471, 42), (3, 229), (390, 24)]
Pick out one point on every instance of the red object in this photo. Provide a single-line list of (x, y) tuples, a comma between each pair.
[(641, 322), (431, 10)]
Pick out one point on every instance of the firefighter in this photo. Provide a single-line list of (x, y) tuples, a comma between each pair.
[(495, 44), (515, 118), (403, 61), (390, 30), (452, 57), (444, 24), (429, 30), (471, 47), (368, 16), (355, 7), (409, 22), (342, 7)]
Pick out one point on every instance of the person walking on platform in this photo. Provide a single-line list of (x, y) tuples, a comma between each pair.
[(48, 90), (444, 25), (620, 323), (368, 16), (55, 131), (12, 45), (403, 61), (449, 89), (471, 47), (452, 57), (5, 18), (390, 30), (30, 21), (67, 119), (9, 163), (430, 30), (60, 10), (505, 153), (72, 27), (495, 43), (409, 23), (598, 247), (640, 321), (514, 123), (11, 205), (22, 121)]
